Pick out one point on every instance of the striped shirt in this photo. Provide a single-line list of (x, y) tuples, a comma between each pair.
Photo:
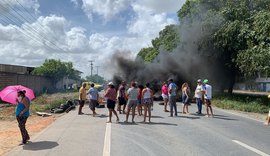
[(111, 94)]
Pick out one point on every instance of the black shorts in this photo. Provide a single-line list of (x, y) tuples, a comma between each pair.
[(208, 102), (82, 103), (110, 104), (122, 101)]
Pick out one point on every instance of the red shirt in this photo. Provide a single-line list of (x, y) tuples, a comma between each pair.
[(111, 94), (164, 89)]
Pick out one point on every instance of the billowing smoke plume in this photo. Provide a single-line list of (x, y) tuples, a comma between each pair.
[(187, 63)]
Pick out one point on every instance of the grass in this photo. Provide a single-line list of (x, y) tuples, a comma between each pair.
[(240, 102), (44, 104)]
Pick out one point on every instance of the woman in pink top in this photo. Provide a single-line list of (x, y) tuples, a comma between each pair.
[(164, 95), (110, 94)]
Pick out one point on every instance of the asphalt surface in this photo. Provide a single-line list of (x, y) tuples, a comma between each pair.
[(192, 135)]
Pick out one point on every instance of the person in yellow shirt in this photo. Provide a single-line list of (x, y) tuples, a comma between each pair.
[(82, 98)]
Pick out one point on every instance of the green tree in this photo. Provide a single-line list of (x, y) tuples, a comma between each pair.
[(167, 41), (96, 79), (57, 70)]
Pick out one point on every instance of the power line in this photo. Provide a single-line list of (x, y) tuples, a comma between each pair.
[(38, 33)]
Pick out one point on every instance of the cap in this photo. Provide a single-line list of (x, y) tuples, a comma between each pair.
[(205, 81), (110, 83), (199, 80)]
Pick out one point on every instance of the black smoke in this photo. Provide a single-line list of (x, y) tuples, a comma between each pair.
[(191, 60)]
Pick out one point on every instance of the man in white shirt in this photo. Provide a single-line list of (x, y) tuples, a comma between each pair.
[(93, 96), (199, 96), (208, 97)]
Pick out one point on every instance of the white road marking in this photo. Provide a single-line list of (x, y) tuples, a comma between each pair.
[(251, 148), (107, 140)]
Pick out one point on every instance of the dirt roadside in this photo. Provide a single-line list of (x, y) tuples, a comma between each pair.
[(10, 136)]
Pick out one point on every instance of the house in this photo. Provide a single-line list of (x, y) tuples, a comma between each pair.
[(263, 84)]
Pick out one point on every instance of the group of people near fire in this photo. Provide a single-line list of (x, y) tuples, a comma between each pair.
[(140, 97)]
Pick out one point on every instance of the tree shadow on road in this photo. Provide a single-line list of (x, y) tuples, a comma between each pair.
[(40, 145)]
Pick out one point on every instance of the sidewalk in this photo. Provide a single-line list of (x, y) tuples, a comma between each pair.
[(70, 135)]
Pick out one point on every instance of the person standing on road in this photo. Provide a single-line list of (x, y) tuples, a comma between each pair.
[(22, 113), (132, 94), (147, 101), (199, 96), (165, 95), (122, 97), (111, 94), (172, 97), (82, 98), (185, 97), (140, 100), (93, 97), (208, 98)]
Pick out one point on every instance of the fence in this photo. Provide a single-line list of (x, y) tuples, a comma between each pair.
[(38, 83)]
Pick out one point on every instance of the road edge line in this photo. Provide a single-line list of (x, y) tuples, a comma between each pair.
[(250, 148)]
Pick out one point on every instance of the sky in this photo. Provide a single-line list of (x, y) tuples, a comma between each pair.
[(80, 30)]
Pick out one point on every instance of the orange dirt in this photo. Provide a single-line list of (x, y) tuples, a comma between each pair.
[(10, 135)]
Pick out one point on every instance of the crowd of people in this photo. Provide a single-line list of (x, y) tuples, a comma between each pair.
[(137, 96), (125, 100)]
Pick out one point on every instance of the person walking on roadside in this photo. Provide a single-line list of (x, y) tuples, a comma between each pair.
[(139, 106), (268, 117), (172, 89), (132, 95), (93, 97), (185, 97), (122, 101), (208, 98), (199, 96), (165, 95), (147, 101), (22, 114), (82, 98), (110, 94)]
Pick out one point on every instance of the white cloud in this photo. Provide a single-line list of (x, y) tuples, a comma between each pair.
[(146, 23), (105, 8), (162, 6), (53, 37), (75, 2), (49, 37), (27, 4)]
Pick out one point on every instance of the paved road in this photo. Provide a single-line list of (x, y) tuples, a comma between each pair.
[(84, 135)]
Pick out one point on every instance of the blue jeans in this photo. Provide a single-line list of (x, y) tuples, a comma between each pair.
[(199, 104), (172, 102)]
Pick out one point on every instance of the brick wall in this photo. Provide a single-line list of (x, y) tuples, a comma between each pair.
[(38, 83)]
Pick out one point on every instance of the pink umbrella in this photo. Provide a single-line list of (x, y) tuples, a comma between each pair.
[(9, 94)]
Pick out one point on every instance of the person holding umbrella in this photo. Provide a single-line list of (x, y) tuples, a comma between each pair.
[(22, 113)]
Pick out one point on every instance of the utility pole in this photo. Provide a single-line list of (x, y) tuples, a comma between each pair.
[(97, 69), (91, 66)]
